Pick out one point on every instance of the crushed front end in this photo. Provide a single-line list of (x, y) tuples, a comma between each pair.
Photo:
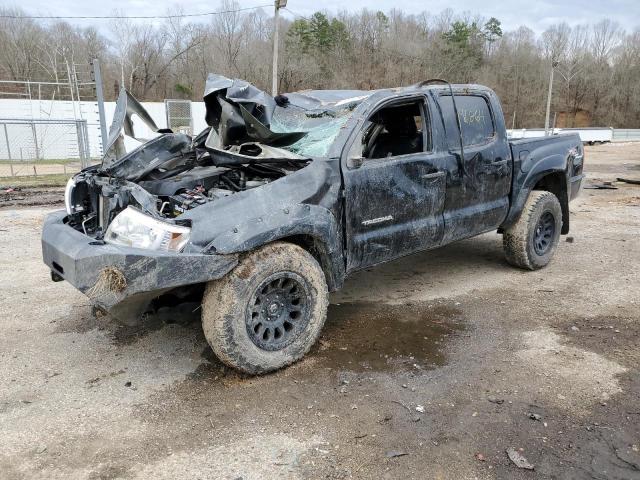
[(118, 279), (143, 222), (122, 239)]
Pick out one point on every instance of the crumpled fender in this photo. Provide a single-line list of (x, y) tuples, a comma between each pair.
[(301, 203), (303, 219), (312, 220)]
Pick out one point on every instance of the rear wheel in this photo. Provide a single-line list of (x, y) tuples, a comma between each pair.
[(268, 311), (531, 242)]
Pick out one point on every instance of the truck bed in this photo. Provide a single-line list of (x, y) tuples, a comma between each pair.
[(528, 151)]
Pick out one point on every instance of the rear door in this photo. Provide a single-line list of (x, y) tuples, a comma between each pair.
[(394, 189), (477, 197)]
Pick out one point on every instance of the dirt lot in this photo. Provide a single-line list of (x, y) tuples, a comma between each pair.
[(20, 196), (429, 367)]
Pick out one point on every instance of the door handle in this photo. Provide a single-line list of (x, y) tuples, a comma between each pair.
[(431, 176), (494, 167), (499, 161)]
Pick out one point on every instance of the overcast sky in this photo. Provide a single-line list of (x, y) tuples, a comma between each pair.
[(535, 14)]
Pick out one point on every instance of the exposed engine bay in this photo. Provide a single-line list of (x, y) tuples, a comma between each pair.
[(253, 139), (97, 198)]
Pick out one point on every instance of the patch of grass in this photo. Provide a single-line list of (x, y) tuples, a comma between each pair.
[(55, 180)]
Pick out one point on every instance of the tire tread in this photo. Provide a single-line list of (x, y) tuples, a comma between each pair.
[(221, 299), (515, 239)]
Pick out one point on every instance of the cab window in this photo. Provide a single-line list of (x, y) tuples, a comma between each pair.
[(475, 120), (394, 131)]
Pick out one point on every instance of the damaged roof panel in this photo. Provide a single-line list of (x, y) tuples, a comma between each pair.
[(303, 123)]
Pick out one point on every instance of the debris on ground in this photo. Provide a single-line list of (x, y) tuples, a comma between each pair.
[(30, 196), (498, 401), (518, 459), (420, 408), (395, 453), (601, 186), (569, 240), (414, 418), (629, 180), (480, 457), (535, 416)]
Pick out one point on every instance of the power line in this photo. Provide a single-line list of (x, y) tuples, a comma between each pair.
[(295, 14), (123, 17)]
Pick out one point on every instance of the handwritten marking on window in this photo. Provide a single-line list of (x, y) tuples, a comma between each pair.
[(470, 117)]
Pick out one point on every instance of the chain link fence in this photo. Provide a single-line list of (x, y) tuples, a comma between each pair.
[(42, 147)]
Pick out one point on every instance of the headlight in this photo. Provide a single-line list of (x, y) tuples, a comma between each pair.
[(135, 229), (68, 192)]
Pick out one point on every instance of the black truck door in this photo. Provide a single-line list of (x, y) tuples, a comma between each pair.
[(394, 191), (477, 197)]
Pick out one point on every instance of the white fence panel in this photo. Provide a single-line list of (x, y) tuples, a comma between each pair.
[(88, 111)]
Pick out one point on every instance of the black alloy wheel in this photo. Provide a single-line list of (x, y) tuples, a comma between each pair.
[(544, 233), (278, 311)]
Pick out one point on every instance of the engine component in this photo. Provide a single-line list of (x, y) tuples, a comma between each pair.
[(255, 183), (219, 193), (181, 202)]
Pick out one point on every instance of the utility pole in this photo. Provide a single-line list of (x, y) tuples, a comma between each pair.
[(278, 4), (554, 64)]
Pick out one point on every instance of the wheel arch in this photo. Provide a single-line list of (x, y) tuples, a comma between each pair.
[(556, 183), (311, 227), (319, 249), (548, 175)]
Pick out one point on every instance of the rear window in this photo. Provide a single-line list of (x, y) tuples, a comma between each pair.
[(475, 120)]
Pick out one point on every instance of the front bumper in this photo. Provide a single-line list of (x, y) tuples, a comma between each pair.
[(80, 260)]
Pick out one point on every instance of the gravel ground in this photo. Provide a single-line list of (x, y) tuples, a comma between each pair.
[(429, 367)]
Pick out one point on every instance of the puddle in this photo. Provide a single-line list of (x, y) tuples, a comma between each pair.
[(378, 337), (357, 337)]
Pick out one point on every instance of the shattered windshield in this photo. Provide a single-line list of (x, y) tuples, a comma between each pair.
[(321, 127), (300, 124)]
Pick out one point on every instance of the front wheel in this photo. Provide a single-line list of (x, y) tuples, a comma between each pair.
[(531, 242), (267, 312)]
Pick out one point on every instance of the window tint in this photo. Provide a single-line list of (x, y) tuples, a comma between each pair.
[(394, 131), (475, 120)]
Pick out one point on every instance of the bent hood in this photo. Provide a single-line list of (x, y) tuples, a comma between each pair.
[(247, 125), (122, 127)]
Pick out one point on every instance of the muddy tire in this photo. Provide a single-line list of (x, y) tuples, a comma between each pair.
[(531, 242), (267, 312)]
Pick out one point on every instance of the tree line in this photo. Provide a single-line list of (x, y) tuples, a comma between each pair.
[(597, 66)]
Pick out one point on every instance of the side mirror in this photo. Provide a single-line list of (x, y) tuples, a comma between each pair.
[(355, 162)]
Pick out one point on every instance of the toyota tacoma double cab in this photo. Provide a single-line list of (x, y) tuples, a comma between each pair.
[(272, 206)]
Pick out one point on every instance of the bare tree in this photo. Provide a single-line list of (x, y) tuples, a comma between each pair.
[(597, 72)]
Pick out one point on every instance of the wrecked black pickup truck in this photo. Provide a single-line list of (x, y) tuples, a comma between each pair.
[(270, 208)]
